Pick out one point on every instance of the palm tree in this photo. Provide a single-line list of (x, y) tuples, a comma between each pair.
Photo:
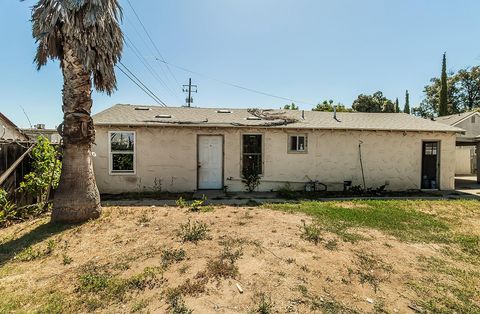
[(85, 36)]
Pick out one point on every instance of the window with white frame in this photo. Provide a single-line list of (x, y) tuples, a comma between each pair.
[(297, 143), (122, 152)]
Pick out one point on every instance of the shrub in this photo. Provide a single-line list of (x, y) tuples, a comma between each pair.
[(46, 171), (251, 178)]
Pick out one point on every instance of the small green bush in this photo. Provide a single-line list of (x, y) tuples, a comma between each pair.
[(193, 232), (172, 256)]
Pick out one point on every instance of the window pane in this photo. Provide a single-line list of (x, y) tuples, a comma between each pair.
[(252, 164), (252, 144), (293, 143), (122, 141), (301, 143), (122, 162)]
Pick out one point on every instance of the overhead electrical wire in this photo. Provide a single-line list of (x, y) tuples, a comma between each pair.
[(140, 84), (152, 42), (130, 44), (162, 60), (235, 85)]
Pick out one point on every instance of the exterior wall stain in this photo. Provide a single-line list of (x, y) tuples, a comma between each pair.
[(168, 155)]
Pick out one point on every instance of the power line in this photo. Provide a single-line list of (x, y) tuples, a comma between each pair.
[(145, 62), (235, 85), (140, 84), (152, 42)]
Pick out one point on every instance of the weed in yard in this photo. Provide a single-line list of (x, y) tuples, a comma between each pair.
[(372, 270), (181, 202), (170, 256), (290, 260), (331, 245), (99, 285), (31, 253), (263, 304), (176, 304), (194, 287), (194, 206), (224, 265), (182, 270), (193, 232), (143, 219), (311, 232), (138, 306), (67, 260)]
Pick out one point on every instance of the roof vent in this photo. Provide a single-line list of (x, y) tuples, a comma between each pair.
[(142, 108), (253, 118), (163, 116), (223, 111)]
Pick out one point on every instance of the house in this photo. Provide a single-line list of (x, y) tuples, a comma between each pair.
[(40, 130), (9, 131), (146, 148), (467, 144)]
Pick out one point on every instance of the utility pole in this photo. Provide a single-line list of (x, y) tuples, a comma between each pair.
[(190, 89)]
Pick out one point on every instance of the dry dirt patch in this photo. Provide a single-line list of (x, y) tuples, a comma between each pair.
[(131, 260)]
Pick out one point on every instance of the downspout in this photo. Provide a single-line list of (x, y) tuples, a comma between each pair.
[(361, 163)]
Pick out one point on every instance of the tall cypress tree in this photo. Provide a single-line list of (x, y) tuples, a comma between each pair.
[(397, 106), (443, 104), (406, 109)]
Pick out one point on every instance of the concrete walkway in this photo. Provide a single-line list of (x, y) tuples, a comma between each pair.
[(467, 188), (467, 185)]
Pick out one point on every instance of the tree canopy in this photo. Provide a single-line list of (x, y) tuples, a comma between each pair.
[(373, 103), (292, 106), (327, 105), (463, 93)]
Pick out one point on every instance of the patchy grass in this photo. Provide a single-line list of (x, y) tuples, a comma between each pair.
[(396, 254), (403, 219)]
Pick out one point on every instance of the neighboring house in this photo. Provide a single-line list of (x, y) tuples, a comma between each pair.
[(146, 148), (466, 155), (9, 131), (40, 130)]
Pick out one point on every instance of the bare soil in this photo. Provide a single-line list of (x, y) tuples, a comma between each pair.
[(277, 268)]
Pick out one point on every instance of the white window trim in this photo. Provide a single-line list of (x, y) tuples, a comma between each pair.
[(289, 144), (110, 159)]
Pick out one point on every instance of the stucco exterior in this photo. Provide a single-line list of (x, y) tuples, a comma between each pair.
[(166, 158)]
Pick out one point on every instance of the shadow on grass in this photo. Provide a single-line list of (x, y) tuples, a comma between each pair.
[(9, 249)]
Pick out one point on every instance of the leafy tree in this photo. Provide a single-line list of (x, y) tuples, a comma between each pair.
[(327, 105), (373, 103), (397, 105), (429, 106), (443, 102), (291, 106), (85, 36), (406, 109), (46, 171), (467, 82)]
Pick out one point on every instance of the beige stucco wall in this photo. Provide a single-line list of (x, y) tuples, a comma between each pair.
[(166, 159), (463, 164)]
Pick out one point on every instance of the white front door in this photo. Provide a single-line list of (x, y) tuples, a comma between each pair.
[(210, 162)]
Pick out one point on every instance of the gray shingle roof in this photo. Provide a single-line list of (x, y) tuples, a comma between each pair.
[(455, 118), (137, 115)]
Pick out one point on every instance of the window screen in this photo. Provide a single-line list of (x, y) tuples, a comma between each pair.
[(252, 154), (122, 152)]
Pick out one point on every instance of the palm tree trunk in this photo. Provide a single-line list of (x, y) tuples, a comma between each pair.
[(77, 198)]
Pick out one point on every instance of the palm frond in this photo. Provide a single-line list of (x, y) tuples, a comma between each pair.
[(91, 28)]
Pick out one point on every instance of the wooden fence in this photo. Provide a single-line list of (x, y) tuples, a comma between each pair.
[(13, 168)]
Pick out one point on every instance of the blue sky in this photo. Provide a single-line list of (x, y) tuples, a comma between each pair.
[(308, 50)]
